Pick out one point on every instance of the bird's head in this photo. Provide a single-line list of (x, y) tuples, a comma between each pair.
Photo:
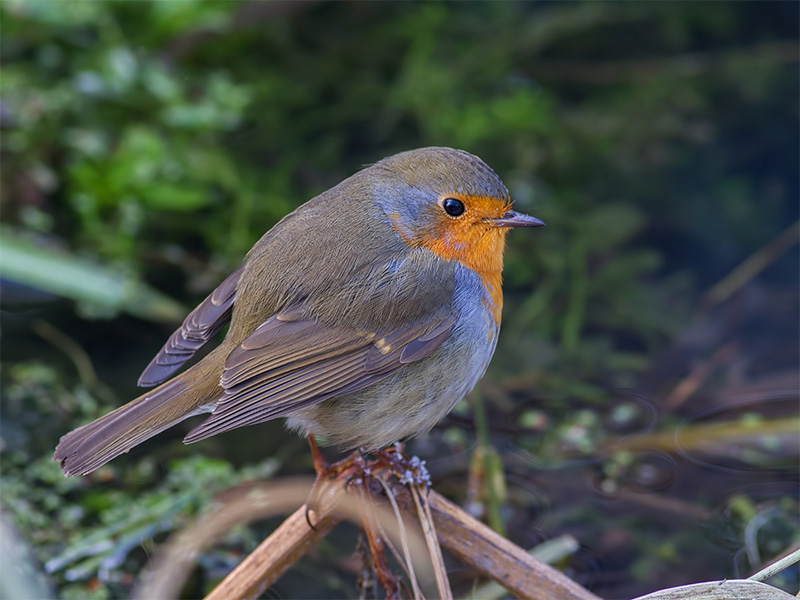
[(450, 202)]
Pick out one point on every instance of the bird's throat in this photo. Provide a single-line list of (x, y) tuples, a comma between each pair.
[(478, 246), (480, 253)]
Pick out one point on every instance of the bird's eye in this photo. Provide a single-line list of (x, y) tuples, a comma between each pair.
[(453, 207)]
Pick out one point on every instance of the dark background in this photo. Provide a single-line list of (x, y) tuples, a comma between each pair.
[(643, 398)]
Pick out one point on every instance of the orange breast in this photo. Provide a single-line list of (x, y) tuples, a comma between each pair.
[(472, 241)]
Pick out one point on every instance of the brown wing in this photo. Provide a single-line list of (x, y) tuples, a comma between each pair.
[(291, 361), (199, 326)]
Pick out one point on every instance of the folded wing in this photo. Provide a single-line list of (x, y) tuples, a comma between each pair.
[(291, 361)]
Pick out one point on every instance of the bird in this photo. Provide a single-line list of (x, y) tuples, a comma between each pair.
[(362, 317)]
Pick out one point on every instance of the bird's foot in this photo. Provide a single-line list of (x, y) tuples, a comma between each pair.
[(360, 471), (408, 470), (360, 466)]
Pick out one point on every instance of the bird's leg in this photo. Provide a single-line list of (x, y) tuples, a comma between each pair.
[(358, 473), (377, 549), (352, 466), (354, 471), (320, 464), (323, 469)]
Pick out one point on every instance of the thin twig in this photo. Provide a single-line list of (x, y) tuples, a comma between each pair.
[(429, 531), (407, 563), (776, 567), (752, 266), (687, 387), (369, 523)]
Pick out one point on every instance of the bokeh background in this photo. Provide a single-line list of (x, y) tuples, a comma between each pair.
[(644, 396)]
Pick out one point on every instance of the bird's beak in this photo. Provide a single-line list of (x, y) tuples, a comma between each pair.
[(515, 219)]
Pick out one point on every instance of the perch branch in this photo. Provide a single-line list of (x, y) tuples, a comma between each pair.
[(466, 538), (480, 547)]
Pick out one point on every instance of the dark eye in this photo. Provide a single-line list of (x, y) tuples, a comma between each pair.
[(453, 207)]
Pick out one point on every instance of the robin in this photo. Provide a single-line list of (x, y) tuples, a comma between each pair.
[(362, 317)]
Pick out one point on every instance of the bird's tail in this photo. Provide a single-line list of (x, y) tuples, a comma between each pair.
[(89, 447)]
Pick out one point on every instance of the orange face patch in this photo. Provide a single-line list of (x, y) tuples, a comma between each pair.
[(469, 238)]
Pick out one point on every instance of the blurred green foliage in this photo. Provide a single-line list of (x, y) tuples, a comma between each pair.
[(161, 139)]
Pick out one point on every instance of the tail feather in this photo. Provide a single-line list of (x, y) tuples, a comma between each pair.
[(89, 447)]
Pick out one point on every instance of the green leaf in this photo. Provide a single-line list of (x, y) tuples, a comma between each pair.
[(82, 280)]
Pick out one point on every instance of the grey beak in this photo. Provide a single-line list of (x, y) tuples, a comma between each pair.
[(515, 219)]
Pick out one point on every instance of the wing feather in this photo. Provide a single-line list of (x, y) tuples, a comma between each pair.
[(198, 327), (248, 408), (292, 361)]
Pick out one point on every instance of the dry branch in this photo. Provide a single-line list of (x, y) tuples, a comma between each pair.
[(466, 538), (478, 546)]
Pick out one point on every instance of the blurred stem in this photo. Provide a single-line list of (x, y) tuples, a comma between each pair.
[(579, 285), (70, 348), (689, 385), (485, 453), (706, 435), (750, 268), (105, 287)]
